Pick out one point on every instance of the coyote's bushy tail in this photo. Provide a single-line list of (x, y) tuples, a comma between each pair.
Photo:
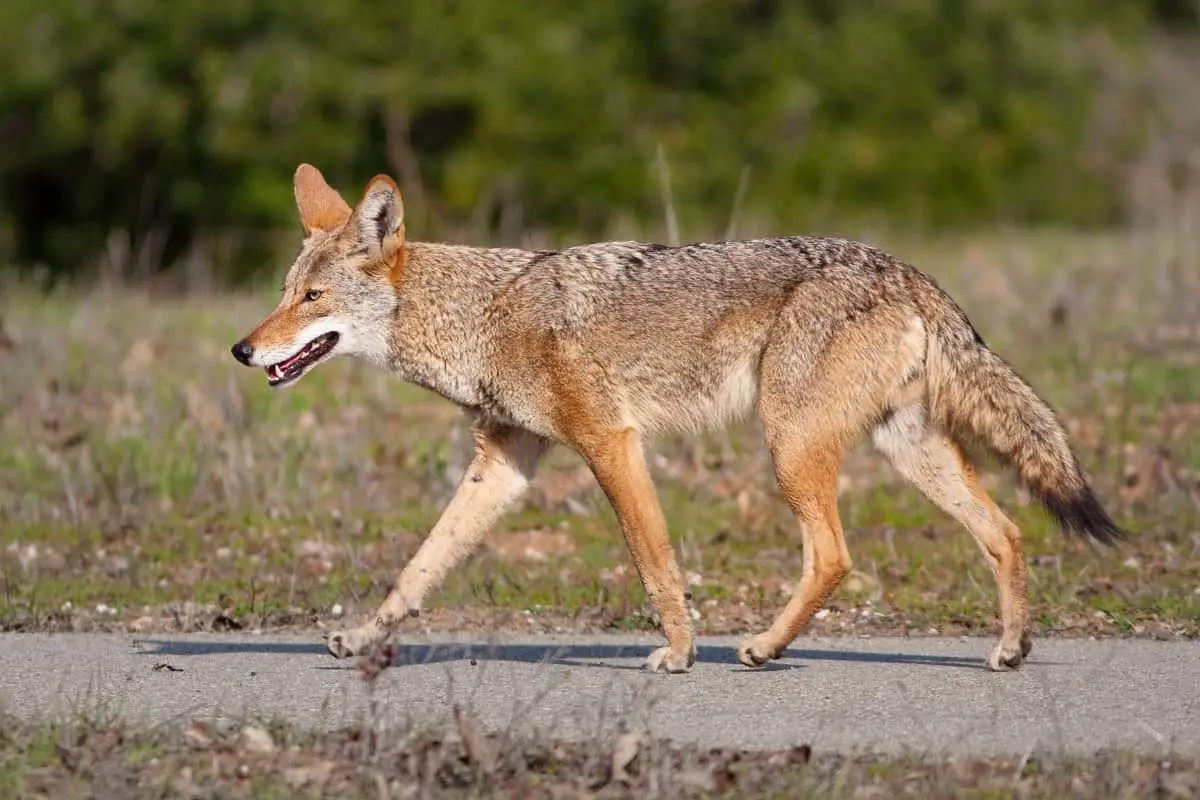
[(976, 396)]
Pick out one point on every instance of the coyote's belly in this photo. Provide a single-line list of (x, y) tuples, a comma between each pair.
[(702, 395), (695, 371)]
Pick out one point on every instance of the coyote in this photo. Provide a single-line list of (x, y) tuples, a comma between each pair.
[(601, 346)]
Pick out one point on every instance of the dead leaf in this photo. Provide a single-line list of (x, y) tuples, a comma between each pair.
[(198, 735), (625, 750), (164, 666), (479, 748), (316, 774), (256, 740)]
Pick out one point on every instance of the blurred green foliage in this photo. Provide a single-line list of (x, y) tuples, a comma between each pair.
[(180, 123)]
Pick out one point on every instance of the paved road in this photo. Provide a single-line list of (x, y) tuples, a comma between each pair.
[(890, 695)]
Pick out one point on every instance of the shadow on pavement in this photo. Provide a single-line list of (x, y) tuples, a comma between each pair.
[(606, 656)]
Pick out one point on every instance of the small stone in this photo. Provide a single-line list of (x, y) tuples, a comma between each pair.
[(336, 611)]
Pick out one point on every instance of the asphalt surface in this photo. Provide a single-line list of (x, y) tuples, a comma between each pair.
[(923, 696)]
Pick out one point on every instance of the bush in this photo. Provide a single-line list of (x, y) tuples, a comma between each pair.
[(140, 130)]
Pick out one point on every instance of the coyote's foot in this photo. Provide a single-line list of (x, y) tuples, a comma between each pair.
[(354, 642), (758, 650), (665, 660), (1006, 658)]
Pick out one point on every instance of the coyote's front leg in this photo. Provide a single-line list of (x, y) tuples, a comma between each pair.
[(616, 460), (504, 463)]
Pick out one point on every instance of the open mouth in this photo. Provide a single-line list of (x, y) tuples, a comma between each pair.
[(287, 371)]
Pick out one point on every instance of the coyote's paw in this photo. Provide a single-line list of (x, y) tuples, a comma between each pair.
[(1005, 658), (758, 650), (664, 660), (353, 642)]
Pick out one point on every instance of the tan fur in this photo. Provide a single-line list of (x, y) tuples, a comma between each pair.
[(932, 461), (617, 461), (504, 463), (603, 346), (321, 208)]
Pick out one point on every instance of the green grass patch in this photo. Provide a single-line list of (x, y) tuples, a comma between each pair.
[(142, 470)]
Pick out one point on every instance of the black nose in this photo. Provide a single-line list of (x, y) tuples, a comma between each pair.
[(242, 352)]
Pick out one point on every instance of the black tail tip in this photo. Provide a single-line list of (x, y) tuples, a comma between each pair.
[(1081, 513)]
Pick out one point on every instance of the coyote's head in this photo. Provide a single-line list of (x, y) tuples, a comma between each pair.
[(340, 293)]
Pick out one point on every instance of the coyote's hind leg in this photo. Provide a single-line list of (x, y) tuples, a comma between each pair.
[(935, 464), (807, 470)]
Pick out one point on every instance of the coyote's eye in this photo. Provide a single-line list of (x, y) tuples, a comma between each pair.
[(312, 294)]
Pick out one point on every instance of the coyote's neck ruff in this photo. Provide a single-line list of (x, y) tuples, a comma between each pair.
[(600, 346)]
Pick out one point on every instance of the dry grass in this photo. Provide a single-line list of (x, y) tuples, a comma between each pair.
[(109, 759), (148, 481)]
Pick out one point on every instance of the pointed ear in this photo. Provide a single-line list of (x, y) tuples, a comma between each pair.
[(379, 218), (321, 208)]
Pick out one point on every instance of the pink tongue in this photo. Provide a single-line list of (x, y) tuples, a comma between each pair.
[(276, 370)]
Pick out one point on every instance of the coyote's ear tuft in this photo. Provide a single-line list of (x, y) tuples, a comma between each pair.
[(379, 217), (321, 208)]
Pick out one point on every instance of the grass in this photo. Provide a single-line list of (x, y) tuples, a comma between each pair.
[(147, 481), (85, 758)]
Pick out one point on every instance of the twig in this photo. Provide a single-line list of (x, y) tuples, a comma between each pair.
[(668, 198), (735, 213)]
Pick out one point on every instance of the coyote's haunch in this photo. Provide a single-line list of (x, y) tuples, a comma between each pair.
[(601, 346)]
